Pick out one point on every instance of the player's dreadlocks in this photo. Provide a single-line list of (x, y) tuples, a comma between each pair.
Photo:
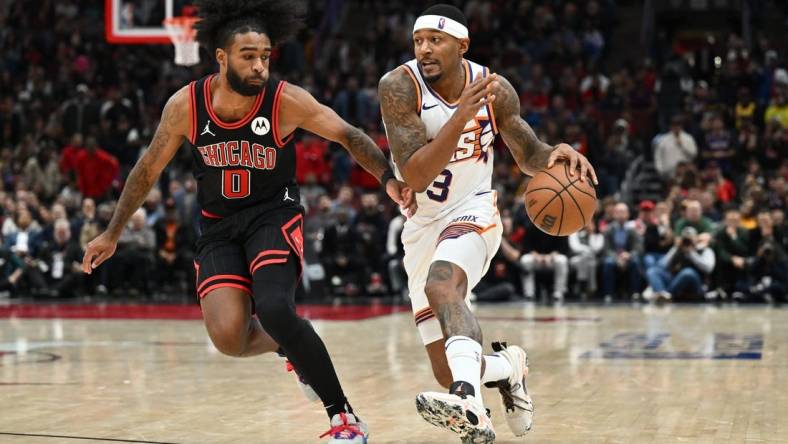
[(221, 19)]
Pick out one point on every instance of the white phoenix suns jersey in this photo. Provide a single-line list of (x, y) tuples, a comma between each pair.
[(469, 172)]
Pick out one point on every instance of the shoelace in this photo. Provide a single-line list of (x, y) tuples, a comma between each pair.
[(343, 430), (509, 399)]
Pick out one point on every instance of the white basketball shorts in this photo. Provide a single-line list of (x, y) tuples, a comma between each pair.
[(468, 237)]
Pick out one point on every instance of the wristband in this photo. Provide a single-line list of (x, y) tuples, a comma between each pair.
[(387, 175)]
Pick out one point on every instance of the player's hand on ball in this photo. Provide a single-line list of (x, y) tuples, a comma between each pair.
[(98, 250), (403, 195), (575, 159)]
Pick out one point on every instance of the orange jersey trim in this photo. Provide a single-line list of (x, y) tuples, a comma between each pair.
[(418, 88)]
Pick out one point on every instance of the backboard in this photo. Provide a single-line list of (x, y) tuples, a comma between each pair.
[(141, 21)]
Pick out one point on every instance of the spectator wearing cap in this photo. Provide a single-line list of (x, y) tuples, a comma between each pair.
[(684, 268), (623, 246), (656, 232), (673, 147)]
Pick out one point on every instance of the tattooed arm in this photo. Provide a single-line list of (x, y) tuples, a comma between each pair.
[(530, 153), (169, 136), (300, 110), (420, 161)]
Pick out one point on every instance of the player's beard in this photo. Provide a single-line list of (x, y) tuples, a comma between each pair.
[(240, 86), (429, 79)]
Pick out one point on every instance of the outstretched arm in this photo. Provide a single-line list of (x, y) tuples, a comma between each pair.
[(300, 110), (530, 153), (168, 138), (419, 160)]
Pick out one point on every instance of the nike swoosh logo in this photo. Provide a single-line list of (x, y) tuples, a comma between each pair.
[(425, 107)]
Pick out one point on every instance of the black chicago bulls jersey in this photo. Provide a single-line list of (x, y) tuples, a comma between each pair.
[(245, 163)]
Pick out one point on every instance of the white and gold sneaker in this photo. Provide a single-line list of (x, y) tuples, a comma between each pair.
[(458, 412), (518, 408)]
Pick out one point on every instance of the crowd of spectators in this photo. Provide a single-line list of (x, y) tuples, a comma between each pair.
[(76, 112)]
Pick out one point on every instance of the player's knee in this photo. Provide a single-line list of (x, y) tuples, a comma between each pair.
[(277, 317), (227, 338), (441, 292)]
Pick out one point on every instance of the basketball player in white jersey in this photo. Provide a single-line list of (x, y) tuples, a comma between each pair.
[(441, 114)]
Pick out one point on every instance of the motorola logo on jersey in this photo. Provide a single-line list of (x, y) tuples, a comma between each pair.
[(235, 153), (261, 126)]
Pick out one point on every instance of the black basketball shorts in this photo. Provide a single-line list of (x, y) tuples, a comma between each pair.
[(231, 249)]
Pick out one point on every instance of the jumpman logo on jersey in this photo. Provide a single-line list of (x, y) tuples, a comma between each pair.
[(207, 129), (287, 196)]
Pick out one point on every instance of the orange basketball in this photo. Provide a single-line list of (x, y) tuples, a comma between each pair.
[(557, 203)]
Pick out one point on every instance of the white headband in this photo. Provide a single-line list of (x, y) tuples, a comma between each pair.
[(441, 23)]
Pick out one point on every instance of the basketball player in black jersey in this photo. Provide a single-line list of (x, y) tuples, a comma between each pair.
[(239, 125)]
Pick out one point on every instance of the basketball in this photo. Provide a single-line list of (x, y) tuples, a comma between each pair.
[(557, 203)]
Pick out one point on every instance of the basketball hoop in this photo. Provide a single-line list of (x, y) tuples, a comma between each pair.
[(182, 35)]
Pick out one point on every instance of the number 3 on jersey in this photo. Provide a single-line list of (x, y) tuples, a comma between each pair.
[(236, 184), (442, 186)]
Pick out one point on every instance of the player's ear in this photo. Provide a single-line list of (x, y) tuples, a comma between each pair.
[(221, 56), (464, 45)]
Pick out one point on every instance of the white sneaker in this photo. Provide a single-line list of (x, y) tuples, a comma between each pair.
[(464, 415), (518, 408), (663, 297), (306, 389), (347, 429)]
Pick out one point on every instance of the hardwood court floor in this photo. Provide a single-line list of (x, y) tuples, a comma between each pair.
[(614, 374)]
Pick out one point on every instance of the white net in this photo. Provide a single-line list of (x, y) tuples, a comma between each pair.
[(182, 34)]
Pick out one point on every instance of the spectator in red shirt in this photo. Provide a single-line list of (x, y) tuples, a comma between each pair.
[(311, 159), (68, 157), (96, 169)]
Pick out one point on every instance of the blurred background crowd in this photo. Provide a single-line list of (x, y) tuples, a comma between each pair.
[(687, 128)]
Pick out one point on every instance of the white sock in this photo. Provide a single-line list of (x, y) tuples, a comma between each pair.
[(496, 367), (465, 361)]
